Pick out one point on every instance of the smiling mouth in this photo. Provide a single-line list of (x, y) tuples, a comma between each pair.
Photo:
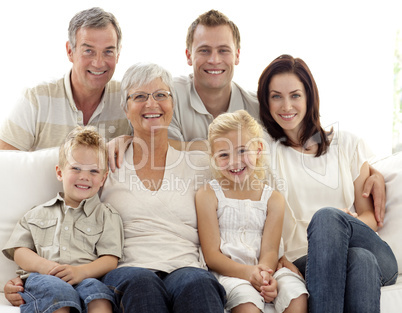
[(148, 116), (82, 187), (96, 73), (287, 116), (236, 171), (214, 72)]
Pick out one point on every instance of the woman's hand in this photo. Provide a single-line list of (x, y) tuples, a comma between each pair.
[(375, 186), (284, 262), (347, 211), (11, 289)]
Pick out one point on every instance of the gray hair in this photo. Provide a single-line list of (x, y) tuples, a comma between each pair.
[(141, 74), (93, 18)]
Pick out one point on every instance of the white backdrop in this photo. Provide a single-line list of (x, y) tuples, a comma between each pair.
[(348, 45)]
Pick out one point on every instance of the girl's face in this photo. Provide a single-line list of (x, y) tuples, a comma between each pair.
[(235, 155), (288, 103)]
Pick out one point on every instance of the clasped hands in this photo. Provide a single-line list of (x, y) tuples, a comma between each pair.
[(262, 280)]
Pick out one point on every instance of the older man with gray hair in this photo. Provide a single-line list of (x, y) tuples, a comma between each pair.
[(86, 95)]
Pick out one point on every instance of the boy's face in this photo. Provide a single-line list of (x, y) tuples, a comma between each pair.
[(82, 176)]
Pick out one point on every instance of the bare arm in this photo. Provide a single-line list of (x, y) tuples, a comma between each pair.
[(271, 236), (5, 146), (116, 149), (375, 185), (76, 274), (271, 239), (30, 261), (208, 230), (364, 205)]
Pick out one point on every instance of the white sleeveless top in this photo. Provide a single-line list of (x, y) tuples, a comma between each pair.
[(241, 224)]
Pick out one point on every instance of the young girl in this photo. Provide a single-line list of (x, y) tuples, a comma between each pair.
[(347, 261), (240, 221)]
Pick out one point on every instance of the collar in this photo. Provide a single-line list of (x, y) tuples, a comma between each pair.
[(87, 205), (235, 102), (69, 93)]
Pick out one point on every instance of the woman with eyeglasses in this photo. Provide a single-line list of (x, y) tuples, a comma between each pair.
[(154, 191), (329, 227)]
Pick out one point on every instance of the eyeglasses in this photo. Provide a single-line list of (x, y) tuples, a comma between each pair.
[(160, 95)]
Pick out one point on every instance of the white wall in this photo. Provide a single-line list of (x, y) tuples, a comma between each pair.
[(348, 45)]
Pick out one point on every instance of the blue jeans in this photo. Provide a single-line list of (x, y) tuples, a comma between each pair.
[(46, 293), (185, 290), (346, 265)]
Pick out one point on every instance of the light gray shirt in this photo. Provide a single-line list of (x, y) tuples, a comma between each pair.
[(190, 117)]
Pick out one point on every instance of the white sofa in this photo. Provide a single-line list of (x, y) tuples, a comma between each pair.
[(28, 178)]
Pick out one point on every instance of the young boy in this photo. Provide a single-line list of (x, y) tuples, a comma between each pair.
[(65, 244)]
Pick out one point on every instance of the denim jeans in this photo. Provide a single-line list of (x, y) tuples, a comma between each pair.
[(185, 290), (46, 293), (346, 265)]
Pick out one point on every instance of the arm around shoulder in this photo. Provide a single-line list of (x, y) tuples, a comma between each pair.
[(5, 146)]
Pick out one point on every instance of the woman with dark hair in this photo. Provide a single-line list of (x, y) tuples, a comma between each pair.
[(321, 175)]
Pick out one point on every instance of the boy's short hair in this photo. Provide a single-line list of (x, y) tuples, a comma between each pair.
[(87, 137)]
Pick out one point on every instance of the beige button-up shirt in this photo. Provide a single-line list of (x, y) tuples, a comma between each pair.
[(69, 235)]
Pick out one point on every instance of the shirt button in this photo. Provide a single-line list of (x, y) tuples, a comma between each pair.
[(88, 230), (66, 228), (64, 248), (41, 223)]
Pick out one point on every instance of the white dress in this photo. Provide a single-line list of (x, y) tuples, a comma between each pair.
[(241, 224)]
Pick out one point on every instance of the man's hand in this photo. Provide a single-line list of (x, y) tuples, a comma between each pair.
[(375, 185), (116, 149), (11, 289)]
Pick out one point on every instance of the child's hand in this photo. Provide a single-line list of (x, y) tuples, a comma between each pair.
[(70, 274), (254, 275), (269, 289), (47, 266)]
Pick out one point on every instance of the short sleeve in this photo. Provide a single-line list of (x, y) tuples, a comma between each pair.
[(20, 237), (19, 128), (111, 241), (361, 154)]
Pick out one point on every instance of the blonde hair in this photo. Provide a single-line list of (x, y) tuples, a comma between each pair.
[(237, 121), (84, 137)]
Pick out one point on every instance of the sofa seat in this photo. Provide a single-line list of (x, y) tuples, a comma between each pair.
[(29, 178)]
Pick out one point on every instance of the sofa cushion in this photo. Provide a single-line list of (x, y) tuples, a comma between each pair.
[(27, 179), (391, 168)]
